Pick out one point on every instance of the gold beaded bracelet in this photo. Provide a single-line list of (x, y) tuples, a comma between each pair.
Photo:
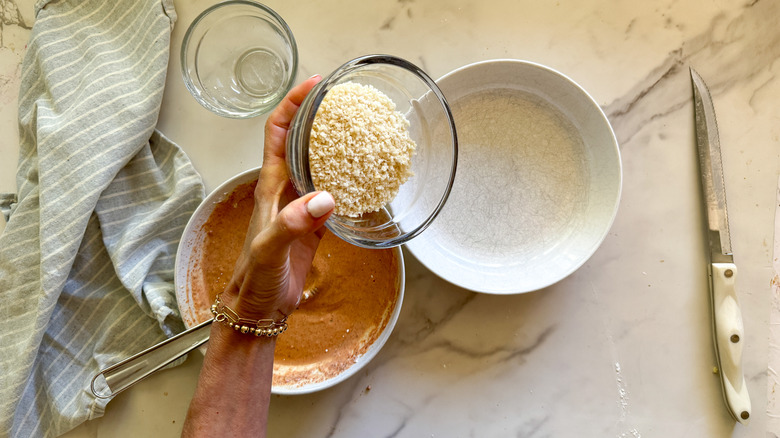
[(260, 327)]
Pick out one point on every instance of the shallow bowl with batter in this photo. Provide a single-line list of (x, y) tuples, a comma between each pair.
[(351, 301)]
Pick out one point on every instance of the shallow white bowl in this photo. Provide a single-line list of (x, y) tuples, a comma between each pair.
[(538, 182), (190, 244)]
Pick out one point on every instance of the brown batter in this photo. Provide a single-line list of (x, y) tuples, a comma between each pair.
[(348, 299)]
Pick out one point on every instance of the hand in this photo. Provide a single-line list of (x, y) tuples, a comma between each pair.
[(234, 386), (284, 230)]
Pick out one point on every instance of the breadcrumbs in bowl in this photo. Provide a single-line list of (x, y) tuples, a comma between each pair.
[(359, 149), (378, 135)]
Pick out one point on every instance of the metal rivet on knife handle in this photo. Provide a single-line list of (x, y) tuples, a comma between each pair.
[(745, 415), (728, 273), (735, 338)]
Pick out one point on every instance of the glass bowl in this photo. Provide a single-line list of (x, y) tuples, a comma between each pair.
[(239, 59), (432, 128)]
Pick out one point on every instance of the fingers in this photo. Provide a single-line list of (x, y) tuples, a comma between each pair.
[(284, 232), (274, 179), (299, 218), (284, 112), (279, 120), (320, 204)]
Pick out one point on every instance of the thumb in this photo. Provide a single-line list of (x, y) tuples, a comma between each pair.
[(298, 218)]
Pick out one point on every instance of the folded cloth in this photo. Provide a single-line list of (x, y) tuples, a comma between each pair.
[(87, 255)]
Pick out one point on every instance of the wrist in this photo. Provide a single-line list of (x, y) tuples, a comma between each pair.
[(249, 306), (224, 314), (224, 337)]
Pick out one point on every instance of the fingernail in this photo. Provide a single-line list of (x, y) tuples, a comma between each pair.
[(320, 204), (316, 76)]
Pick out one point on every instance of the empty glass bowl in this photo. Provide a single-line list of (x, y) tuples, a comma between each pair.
[(239, 59), (431, 126)]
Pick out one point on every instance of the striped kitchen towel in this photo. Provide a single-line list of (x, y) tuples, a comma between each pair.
[(87, 255)]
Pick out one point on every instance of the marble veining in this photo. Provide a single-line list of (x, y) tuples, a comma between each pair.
[(720, 48), (11, 15), (15, 24), (16, 18)]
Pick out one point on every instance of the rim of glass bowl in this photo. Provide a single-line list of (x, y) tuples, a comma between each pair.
[(196, 91), (302, 125)]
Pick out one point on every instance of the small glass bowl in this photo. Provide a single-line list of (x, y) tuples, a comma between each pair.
[(239, 59), (432, 128)]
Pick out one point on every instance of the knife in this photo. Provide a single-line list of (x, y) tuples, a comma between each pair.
[(727, 328)]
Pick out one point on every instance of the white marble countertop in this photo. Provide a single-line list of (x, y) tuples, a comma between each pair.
[(621, 348)]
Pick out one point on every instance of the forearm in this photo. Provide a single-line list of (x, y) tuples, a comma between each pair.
[(234, 387)]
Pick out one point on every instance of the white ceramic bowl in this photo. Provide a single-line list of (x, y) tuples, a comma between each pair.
[(188, 252), (538, 182)]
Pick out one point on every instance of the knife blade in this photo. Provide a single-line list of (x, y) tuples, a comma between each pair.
[(727, 326)]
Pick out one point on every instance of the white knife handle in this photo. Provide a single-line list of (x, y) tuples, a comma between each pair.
[(729, 338)]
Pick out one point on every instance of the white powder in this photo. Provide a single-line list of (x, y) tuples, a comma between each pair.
[(522, 183), (359, 150)]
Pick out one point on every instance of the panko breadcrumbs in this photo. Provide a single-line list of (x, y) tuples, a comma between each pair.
[(359, 150)]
